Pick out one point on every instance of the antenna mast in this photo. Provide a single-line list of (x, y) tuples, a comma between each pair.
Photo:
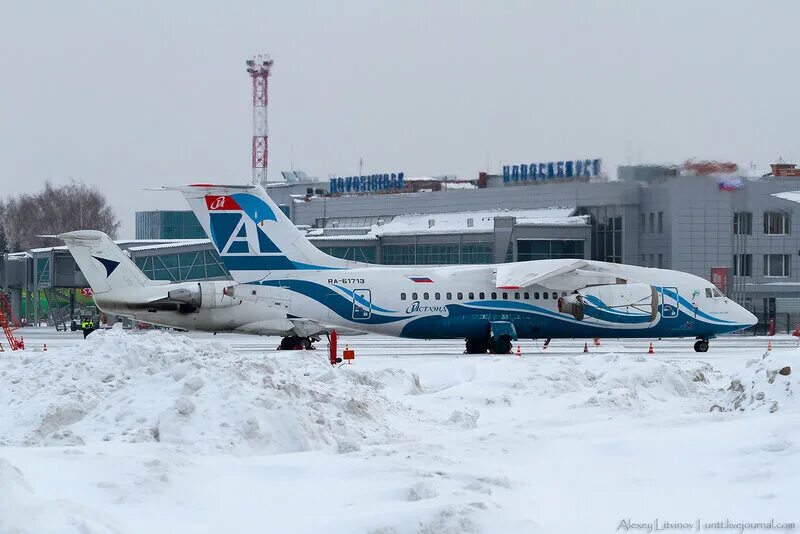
[(259, 70)]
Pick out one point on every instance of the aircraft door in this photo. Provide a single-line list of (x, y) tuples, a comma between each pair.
[(362, 304), (669, 302)]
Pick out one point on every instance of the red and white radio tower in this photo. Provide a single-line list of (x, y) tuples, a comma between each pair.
[(259, 68)]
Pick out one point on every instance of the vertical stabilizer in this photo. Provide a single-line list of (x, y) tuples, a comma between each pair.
[(252, 235), (104, 265)]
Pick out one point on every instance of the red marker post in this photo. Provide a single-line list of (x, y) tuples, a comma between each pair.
[(332, 345)]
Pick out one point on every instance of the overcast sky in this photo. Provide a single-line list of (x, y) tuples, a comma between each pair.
[(136, 94)]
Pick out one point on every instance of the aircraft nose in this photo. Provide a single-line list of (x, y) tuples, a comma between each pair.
[(746, 317)]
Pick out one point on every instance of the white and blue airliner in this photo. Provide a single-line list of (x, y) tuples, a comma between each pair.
[(488, 305)]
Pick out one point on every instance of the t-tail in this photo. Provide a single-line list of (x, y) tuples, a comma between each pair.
[(251, 234), (105, 266)]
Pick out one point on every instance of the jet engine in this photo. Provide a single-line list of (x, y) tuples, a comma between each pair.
[(636, 299), (572, 304), (205, 295)]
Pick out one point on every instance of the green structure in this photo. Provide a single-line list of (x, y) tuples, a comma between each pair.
[(174, 224)]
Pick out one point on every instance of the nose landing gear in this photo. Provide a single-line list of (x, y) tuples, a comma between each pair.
[(701, 345)]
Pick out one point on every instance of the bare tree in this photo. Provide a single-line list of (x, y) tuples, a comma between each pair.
[(56, 209)]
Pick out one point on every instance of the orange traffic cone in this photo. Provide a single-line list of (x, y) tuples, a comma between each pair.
[(45, 348), (651, 350), (597, 342), (22, 342), (585, 347), (519, 352), (769, 345)]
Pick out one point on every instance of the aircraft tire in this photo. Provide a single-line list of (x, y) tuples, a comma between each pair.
[(304, 343), (701, 345), (476, 346), (502, 346)]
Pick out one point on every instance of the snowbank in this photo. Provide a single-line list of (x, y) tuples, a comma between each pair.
[(769, 383), (22, 511), (625, 381), (159, 387)]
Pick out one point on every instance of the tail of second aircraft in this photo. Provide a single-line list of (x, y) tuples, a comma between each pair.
[(251, 234), (104, 265)]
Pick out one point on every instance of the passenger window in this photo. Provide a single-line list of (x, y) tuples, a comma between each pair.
[(516, 295), (481, 295), (494, 295), (414, 296), (505, 295), (544, 295), (402, 296), (555, 295), (527, 296), (449, 296), (437, 296), (471, 296), (535, 295), (426, 296), (460, 295)]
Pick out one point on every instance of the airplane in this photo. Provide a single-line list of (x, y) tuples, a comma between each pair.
[(488, 305), (121, 288)]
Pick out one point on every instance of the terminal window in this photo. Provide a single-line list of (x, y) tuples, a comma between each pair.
[(43, 272), (776, 223), (437, 253), (546, 249), (743, 223), (362, 254), (778, 265), (606, 222), (182, 266), (742, 265)]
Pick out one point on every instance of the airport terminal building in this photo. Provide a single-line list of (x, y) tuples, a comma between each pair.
[(726, 228)]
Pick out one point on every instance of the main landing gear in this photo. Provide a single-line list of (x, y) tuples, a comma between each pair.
[(296, 343), (701, 345), (481, 345)]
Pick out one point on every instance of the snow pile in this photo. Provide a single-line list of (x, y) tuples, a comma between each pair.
[(769, 383), (22, 511), (631, 382), (159, 387)]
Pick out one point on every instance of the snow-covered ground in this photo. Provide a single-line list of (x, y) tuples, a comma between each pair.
[(160, 432)]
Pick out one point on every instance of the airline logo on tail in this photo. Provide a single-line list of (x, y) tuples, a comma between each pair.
[(110, 265), (230, 228)]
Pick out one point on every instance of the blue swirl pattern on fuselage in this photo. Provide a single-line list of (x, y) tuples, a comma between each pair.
[(328, 298), (530, 321)]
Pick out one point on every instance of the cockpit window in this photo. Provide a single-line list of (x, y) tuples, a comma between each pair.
[(713, 293)]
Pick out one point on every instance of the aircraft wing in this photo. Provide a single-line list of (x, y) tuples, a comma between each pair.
[(528, 273), (565, 275)]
